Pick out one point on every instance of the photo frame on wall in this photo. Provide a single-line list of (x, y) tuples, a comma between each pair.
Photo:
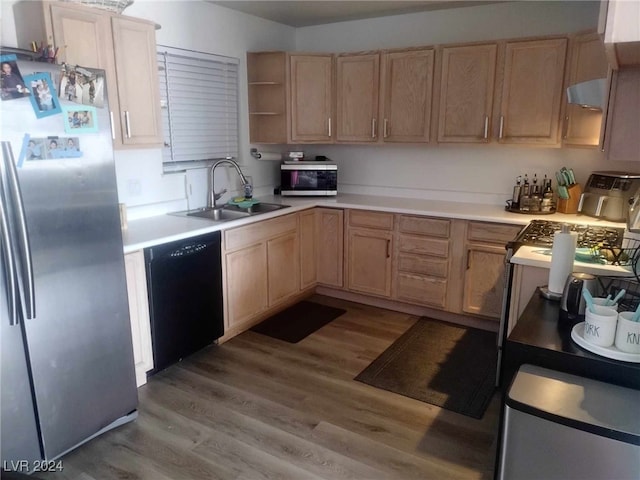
[(80, 119), (44, 98)]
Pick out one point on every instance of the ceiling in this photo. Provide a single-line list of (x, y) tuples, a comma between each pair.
[(306, 13)]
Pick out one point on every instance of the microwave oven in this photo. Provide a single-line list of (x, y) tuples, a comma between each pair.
[(308, 178)]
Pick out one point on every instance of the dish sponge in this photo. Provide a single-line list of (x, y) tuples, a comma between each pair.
[(243, 202)]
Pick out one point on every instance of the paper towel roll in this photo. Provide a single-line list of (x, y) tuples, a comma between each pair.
[(563, 253), (267, 156)]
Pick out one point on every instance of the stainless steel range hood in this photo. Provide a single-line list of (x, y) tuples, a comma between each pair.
[(589, 94)]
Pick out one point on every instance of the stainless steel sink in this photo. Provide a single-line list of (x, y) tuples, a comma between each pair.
[(257, 208), (230, 212), (218, 214)]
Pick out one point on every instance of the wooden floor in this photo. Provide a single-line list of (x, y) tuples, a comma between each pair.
[(256, 407)]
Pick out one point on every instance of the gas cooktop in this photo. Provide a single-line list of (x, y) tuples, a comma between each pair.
[(540, 233)]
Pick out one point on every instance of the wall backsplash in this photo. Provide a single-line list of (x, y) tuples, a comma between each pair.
[(459, 173)]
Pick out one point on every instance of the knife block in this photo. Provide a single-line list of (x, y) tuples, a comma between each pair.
[(570, 205)]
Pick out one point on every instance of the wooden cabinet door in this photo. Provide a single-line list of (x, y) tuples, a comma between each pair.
[(466, 93), (532, 92), (330, 246), (86, 38), (484, 280), (622, 137), (139, 314), (369, 261), (407, 87), (308, 248), (246, 289), (283, 267), (588, 62), (137, 74), (357, 97), (311, 99)]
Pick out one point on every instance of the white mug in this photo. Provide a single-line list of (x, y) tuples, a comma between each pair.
[(600, 327), (627, 333)]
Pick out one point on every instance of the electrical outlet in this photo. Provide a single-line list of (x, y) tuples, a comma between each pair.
[(134, 187)]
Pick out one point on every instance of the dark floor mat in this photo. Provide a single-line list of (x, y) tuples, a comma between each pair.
[(298, 321), (446, 365)]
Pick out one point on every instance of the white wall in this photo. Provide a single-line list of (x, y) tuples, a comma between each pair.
[(483, 173), (201, 26)]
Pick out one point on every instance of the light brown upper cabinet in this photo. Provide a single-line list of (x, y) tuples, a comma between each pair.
[(588, 62), (357, 78), (266, 79), (467, 83), (124, 47), (311, 99), (622, 137), (532, 92), (406, 95), (138, 90)]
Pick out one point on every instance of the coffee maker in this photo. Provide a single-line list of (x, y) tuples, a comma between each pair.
[(572, 303)]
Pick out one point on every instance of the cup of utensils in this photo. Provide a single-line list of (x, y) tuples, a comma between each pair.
[(604, 326)]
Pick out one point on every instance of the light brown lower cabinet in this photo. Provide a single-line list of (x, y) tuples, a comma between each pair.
[(369, 250), (261, 268), (484, 280), (422, 260), (139, 314), (369, 261), (283, 267), (308, 248), (330, 247), (246, 283), (484, 274)]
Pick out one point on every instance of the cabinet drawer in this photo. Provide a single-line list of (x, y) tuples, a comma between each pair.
[(434, 227), (435, 267), (492, 232), (421, 289), (423, 245), (258, 232), (364, 218)]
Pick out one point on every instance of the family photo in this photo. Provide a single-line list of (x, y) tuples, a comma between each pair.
[(44, 98), (52, 148), (81, 86), (80, 120), (11, 82)]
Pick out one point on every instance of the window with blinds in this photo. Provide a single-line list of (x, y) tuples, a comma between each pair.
[(199, 98)]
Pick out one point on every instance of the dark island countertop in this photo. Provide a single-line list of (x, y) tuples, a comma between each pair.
[(539, 339)]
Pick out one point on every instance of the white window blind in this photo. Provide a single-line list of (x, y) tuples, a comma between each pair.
[(199, 96)]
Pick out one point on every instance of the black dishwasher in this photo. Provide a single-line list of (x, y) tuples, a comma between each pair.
[(184, 281)]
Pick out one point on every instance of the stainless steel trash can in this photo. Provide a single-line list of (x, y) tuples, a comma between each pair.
[(561, 426)]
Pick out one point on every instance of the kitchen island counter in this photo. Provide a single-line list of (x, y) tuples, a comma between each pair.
[(539, 339), (146, 232)]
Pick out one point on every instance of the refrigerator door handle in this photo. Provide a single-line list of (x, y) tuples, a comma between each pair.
[(26, 276), (9, 271)]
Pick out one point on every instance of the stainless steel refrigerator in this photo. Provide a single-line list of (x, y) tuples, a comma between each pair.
[(67, 358)]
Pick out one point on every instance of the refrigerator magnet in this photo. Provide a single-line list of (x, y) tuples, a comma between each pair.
[(81, 85), (80, 119), (11, 82), (49, 148), (44, 98)]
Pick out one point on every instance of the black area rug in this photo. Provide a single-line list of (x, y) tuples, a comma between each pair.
[(435, 362), (298, 321)]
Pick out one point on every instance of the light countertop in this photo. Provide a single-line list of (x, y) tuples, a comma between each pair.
[(541, 257), (160, 229)]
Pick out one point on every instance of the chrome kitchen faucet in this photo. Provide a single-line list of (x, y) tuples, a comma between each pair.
[(212, 197)]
